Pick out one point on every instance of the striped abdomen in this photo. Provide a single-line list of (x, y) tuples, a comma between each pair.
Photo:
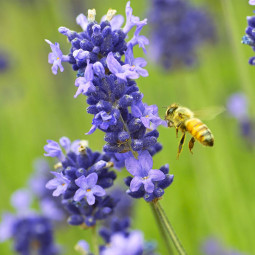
[(199, 131)]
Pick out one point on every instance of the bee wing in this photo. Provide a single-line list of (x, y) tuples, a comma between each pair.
[(210, 112)]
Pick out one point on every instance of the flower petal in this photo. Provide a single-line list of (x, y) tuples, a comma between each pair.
[(156, 175), (132, 165), (148, 185), (82, 182), (98, 191), (90, 198), (145, 160), (79, 195), (135, 184), (91, 180)]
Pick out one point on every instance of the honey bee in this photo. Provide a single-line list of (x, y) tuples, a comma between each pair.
[(184, 119)]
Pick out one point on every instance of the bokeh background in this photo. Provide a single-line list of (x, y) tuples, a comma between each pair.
[(213, 192)]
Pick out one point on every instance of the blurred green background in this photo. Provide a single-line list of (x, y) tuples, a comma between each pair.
[(213, 191)]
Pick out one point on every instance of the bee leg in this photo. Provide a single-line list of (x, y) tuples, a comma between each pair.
[(180, 145), (191, 144), (176, 132)]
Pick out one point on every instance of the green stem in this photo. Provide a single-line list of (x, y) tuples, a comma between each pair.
[(162, 230), (169, 229), (94, 240)]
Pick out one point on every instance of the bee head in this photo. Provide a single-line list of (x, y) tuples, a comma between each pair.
[(171, 109)]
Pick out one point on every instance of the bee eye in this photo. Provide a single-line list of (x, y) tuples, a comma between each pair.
[(170, 111)]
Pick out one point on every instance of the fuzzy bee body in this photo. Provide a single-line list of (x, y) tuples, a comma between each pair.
[(199, 131), (183, 119)]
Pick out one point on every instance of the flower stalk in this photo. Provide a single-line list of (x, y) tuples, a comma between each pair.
[(161, 215), (162, 230), (94, 240)]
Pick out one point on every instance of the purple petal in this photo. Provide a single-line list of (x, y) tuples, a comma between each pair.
[(21, 199), (79, 195), (156, 175), (98, 191), (132, 165), (117, 22), (135, 184), (145, 160), (92, 130), (65, 143), (136, 111), (52, 184), (82, 21), (148, 185), (59, 190), (82, 182), (80, 55), (146, 122), (90, 198), (140, 62), (113, 64), (129, 56), (91, 180)]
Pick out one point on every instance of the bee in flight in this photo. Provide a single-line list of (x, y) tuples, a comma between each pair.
[(183, 119)]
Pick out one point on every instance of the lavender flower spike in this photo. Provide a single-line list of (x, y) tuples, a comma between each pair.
[(252, 2), (60, 184), (85, 84), (88, 188), (56, 57), (143, 174)]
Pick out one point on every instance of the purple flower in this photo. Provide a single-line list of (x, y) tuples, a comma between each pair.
[(122, 72), (6, 226), (131, 20), (88, 188), (82, 247), (252, 2), (103, 120), (21, 200), (55, 57), (143, 173), (60, 184), (237, 106), (121, 244), (82, 21), (141, 40), (135, 64), (116, 22), (50, 209), (85, 84), (53, 150), (148, 115)]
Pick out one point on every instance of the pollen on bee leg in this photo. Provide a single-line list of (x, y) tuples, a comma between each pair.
[(110, 14), (109, 164), (91, 15)]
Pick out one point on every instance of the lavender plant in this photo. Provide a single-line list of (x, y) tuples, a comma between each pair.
[(177, 30), (249, 38), (106, 70), (237, 105), (32, 232)]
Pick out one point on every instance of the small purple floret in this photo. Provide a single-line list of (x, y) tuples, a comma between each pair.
[(60, 184), (148, 114), (143, 173), (88, 188), (55, 57), (85, 84)]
